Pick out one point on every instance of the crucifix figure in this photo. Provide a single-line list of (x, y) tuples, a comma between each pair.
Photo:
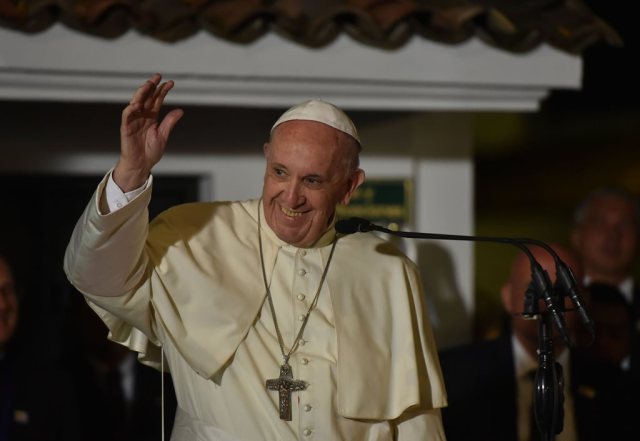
[(285, 384)]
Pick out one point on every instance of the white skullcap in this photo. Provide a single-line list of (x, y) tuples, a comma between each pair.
[(320, 111)]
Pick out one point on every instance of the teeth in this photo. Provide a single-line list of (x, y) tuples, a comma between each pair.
[(290, 213)]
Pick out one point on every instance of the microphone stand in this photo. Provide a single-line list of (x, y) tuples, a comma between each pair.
[(548, 394)]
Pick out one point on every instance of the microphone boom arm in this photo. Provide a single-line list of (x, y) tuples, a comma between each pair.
[(540, 279), (548, 393)]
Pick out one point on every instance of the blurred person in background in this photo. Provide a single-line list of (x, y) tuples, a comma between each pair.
[(613, 320), (120, 398), (36, 395), (490, 384), (605, 237)]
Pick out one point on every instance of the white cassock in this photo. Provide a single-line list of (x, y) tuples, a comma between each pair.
[(192, 283)]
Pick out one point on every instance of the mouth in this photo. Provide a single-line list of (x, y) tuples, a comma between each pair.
[(290, 213)]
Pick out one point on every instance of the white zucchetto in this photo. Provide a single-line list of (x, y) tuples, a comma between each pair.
[(322, 112)]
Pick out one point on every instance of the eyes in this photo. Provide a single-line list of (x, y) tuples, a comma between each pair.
[(311, 181)]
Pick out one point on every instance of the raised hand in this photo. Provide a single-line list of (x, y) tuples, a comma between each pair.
[(142, 138)]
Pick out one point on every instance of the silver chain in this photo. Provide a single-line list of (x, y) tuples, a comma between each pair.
[(296, 341)]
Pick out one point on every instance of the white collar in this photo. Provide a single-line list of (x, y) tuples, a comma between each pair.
[(626, 288), (523, 362)]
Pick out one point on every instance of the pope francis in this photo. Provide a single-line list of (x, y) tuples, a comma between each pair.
[(273, 326)]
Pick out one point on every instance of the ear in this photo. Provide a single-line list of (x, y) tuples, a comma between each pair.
[(265, 149), (355, 180), (505, 294)]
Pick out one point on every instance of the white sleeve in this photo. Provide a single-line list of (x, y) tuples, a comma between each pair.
[(105, 255), (116, 198)]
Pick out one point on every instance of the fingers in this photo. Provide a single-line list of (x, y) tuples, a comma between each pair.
[(160, 94), (136, 105), (169, 122), (146, 96), (143, 97), (147, 100)]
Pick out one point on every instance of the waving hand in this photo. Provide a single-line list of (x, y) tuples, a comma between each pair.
[(143, 138)]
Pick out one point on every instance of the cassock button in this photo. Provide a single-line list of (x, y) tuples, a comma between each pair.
[(305, 361), (302, 272), (301, 297), (303, 253), (307, 407), (303, 342), (306, 432), (301, 317)]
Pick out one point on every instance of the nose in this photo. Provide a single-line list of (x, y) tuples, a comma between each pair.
[(294, 194)]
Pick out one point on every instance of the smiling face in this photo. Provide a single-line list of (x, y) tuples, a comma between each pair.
[(607, 238), (310, 170), (8, 304)]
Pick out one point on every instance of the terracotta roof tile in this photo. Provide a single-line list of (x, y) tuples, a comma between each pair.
[(516, 26)]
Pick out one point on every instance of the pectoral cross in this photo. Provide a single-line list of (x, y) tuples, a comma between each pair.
[(285, 384)]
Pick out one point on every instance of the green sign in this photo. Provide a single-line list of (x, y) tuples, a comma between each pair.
[(382, 201)]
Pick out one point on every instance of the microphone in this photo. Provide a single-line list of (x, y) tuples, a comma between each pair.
[(353, 225), (539, 278), (566, 283), (548, 393)]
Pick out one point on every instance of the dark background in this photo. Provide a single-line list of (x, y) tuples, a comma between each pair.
[(532, 169), (39, 216)]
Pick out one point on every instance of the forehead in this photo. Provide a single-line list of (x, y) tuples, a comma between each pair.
[(309, 130), (308, 141), (611, 204)]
